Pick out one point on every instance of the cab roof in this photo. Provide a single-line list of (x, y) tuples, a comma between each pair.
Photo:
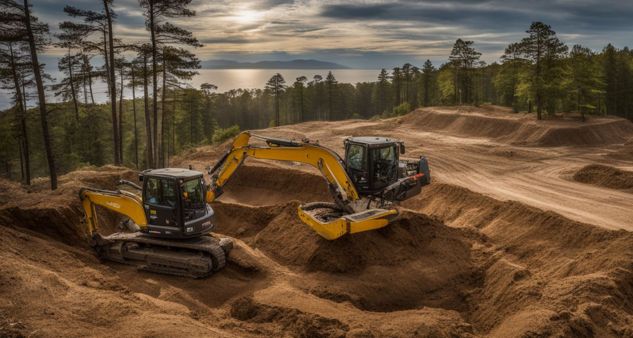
[(172, 172), (372, 140)]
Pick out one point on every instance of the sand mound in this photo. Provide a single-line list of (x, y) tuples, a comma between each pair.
[(551, 275), (605, 176), (286, 320), (433, 264), (521, 130), (58, 213), (260, 185)]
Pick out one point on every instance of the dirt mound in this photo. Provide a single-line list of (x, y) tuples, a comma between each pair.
[(520, 129), (605, 176), (433, 263), (551, 275), (58, 213), (260, 185), (286, 320)]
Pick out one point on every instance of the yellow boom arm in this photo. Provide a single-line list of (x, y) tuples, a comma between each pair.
[(327, 161), (122, 202), (353, 219)]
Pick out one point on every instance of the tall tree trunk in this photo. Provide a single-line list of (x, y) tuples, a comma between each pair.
[(301, 117), (84, 83), (115, 131), (41, 98), (191, 122), (173, 133), (134, 114), (161, 142), (121, 117), (106, 60), (87, 62), (72, 86), (148, 119), (25, 163), (152, 29)]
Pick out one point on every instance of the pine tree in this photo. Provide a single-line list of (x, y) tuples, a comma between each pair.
[(330, 83), (584, 79), (396, 80), (508, 78), (300, 87), (463, 59), (383, 87), (101, 23), (71, 64), (543, 49), (611, 75), (36, 34), (276, 85), (427, 71), (164, 33), (14, 67)]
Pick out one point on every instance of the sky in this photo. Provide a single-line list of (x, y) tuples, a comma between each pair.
[(369, 34)]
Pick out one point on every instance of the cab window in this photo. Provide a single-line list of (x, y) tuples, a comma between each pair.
[(160, 191), (384, 165), (355, 157), (193, 194)]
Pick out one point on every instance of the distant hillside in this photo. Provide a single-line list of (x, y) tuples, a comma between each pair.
[(294, 64)]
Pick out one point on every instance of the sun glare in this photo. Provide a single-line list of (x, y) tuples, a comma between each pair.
[(247, 16)]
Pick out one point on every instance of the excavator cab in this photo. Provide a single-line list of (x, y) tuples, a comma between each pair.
[(174, 203), (374, 166), (371, 162)]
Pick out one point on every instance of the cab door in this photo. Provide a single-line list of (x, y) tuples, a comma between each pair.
[(384, 167), (356, 166), (161, 203)]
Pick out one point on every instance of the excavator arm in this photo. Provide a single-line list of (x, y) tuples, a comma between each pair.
[(121, 202), (349, 213)]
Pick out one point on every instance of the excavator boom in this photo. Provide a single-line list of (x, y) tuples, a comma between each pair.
[(350, 213)]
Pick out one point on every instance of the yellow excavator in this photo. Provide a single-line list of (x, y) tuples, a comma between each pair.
[(170, 221), (364, 185)]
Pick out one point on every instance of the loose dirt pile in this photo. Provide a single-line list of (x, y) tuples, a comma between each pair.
[(605, 176), (520, 129), (57, 213), (456, 263)]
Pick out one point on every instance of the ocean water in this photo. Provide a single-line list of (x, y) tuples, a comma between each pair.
[(225, 79)]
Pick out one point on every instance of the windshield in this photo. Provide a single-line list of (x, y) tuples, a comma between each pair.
[(193, 194), (355, 157), (160, 191)]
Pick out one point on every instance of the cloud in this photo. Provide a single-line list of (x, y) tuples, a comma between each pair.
[(372, 33)]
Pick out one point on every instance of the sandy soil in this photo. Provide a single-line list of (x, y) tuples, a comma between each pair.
[(507, 242)]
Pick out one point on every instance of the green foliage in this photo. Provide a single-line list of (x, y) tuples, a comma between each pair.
[(224, 134), (402, 109)]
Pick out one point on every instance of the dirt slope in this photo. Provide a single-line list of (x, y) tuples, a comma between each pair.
[(520, 129), (605, 176), (504, 243)]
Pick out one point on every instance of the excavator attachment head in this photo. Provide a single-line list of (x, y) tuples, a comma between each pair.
[(330, 222)]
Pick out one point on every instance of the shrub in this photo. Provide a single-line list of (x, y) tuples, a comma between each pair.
[(402, 109), (222, 134)]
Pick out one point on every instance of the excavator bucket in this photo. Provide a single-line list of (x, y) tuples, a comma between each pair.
[(331, 223)]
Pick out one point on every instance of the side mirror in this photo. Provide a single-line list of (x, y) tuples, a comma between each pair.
[(140, 177), (402, 150)]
